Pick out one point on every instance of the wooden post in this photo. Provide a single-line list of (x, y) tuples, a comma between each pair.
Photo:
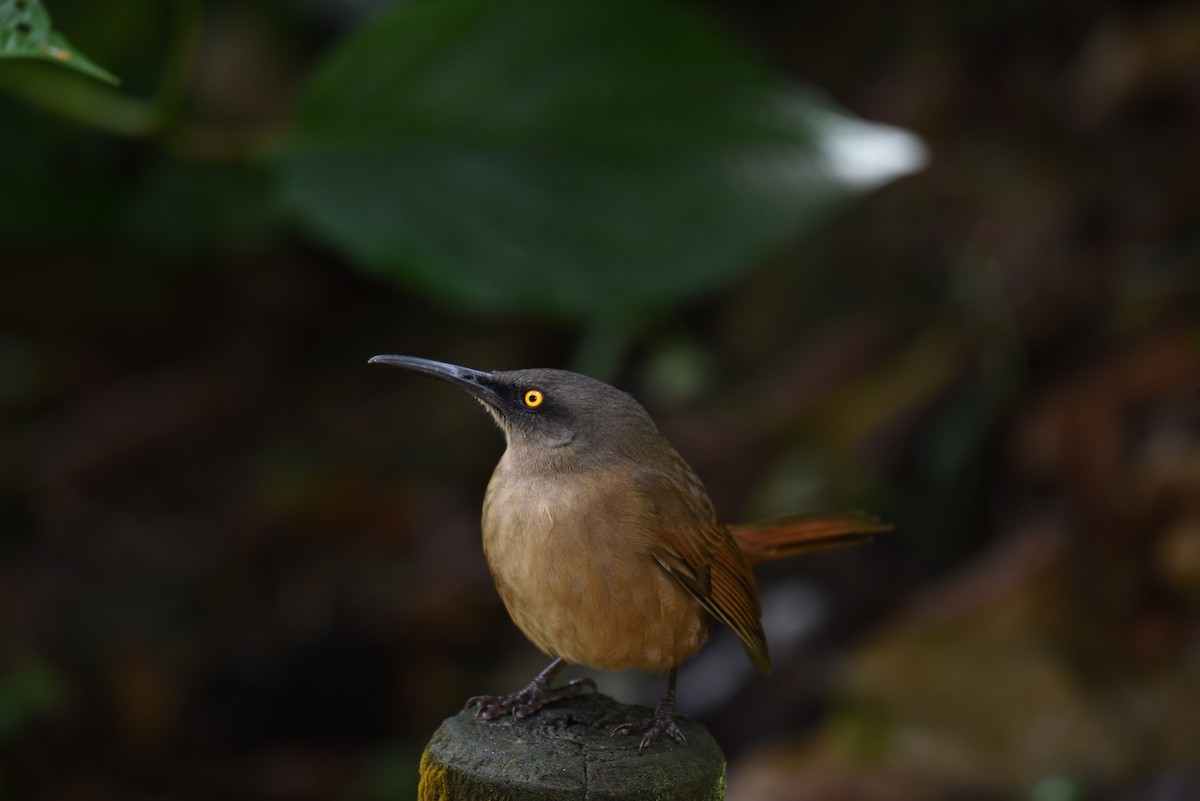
[(565, 752)]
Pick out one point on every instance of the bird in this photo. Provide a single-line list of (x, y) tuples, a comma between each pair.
[(604, 544)]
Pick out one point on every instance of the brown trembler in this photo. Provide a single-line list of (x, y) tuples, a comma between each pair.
[(603, 542)]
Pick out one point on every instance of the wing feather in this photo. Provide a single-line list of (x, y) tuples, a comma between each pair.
[(693, 547)]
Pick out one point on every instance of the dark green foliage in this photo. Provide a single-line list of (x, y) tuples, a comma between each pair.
[(26, 32), (587, 160), (583, 159)]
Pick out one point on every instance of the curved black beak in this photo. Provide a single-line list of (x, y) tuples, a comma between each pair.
[(475, 382)]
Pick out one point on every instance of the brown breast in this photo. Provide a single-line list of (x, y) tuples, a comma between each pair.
[(580, 579)]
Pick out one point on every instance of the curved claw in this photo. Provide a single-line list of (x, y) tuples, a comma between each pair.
[(624, 728), (658, 729), (490, 706), (650, 729), (525, 702), (662, 722)]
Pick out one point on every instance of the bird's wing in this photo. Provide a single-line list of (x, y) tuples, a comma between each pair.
[(692, 545)]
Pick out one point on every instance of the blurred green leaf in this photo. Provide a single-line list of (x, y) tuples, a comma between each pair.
[(26, 32), (583, 159)]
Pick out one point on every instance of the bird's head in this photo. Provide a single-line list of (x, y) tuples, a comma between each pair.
[(543, 410)]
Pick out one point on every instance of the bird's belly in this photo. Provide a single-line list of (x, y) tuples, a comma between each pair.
[(581, 584)]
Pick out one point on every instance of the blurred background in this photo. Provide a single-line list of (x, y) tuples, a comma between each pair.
[(237, 563)]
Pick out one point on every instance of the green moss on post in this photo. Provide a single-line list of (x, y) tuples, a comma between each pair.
[(565, 752)]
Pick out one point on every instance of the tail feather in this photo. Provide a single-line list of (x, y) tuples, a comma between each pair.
[(790, 535)]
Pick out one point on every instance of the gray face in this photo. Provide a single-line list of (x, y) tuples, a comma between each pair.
[(552, 414), (541, 408)]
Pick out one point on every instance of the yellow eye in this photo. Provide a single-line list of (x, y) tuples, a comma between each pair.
[(533, 398)]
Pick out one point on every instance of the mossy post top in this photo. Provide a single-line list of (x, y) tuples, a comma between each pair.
[(565, 751)]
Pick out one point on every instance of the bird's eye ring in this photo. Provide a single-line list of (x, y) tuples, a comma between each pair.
[(533, 398)]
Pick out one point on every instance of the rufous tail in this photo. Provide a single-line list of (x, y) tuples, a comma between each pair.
[(779, 537)]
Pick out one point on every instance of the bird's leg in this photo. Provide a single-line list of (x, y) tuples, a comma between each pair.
[(660, 723), (536, 694)]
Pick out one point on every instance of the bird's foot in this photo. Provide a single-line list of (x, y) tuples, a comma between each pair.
[(652, 729), (524, 703), (662, 722)]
